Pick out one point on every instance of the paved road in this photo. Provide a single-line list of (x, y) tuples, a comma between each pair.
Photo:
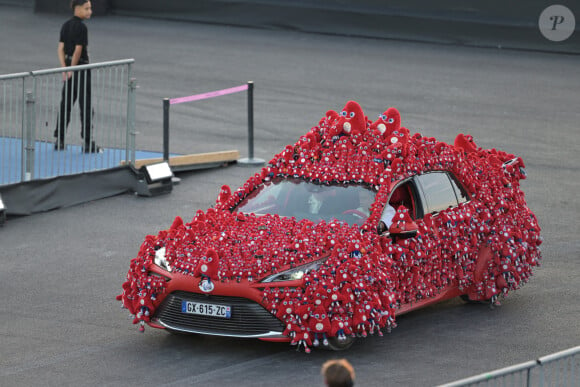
[(59, 323)]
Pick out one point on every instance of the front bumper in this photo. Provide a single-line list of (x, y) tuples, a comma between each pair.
[(248, 318)]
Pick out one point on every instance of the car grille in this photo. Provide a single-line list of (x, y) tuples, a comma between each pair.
[(248, 318)]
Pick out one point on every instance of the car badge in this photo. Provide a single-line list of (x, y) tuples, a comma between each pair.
[(206, 286)]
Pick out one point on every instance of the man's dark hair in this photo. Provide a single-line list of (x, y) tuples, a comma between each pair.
[(76, 3), (338, 373)]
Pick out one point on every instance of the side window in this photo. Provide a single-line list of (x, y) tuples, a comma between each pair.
[(404, 195), (438, 191), (460, 192)]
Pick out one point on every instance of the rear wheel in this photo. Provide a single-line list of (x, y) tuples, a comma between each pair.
[(334, 344)]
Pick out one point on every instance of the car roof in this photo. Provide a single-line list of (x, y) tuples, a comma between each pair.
[(328, 154)]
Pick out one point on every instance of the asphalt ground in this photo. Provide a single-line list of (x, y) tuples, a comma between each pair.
[(61, 270)]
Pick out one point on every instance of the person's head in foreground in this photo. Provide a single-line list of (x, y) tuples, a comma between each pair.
[(338, 373)]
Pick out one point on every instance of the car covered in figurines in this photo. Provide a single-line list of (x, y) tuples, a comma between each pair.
[(357, 222)]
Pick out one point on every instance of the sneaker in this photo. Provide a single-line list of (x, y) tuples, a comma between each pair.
[(92, 148), (59, 145)]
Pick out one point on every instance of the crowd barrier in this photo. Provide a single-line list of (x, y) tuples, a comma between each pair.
[(561, 369), (249, 87), (30, 106)]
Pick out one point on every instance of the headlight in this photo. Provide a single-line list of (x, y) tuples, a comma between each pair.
[(160, 259), (294, 274)]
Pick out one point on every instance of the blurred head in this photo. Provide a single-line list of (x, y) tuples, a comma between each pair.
[(338, 373), (82, 8)]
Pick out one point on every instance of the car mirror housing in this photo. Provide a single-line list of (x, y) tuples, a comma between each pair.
[(408, 229), (404, 234)]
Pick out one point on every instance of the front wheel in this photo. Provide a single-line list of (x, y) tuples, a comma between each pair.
[(334, 344), (468, 300)]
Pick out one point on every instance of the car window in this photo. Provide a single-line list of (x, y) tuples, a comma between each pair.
[(303, 199), (438, 191), (403, 194), (460, 192)]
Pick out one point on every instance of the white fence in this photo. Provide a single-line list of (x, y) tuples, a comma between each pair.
[(560, 369), (30, 109)]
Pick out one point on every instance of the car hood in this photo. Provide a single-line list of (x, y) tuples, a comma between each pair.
[(237, 246)]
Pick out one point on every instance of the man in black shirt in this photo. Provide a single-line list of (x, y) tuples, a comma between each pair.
[(72, 51)]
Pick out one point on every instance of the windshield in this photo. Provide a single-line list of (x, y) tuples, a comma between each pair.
[(303, 199)]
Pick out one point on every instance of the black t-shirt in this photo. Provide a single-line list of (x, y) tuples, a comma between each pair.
[(74, 33)]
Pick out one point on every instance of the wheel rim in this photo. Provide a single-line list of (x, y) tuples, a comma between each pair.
[(335, 344)]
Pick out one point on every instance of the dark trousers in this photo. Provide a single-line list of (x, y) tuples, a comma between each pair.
[(76, 87)]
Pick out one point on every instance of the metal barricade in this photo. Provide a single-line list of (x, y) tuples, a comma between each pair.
[(561, 369), (31, 106), (517, 375)]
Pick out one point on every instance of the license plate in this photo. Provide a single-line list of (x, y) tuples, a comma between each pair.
[(203, 309)]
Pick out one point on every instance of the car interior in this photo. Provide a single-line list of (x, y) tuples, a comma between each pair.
[(403, 195)]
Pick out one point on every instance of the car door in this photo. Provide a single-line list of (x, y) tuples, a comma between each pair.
[(441, 195), (430, 262)]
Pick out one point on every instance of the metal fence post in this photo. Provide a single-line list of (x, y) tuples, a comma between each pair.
[(542, 375), (166, 103), (251, 120), (251, 161), (29, 138), (131, 133)]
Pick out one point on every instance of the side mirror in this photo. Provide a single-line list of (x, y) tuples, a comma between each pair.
[(404, 231), (405, 234)]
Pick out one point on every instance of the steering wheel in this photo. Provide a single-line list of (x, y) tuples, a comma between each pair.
[(357, 213)]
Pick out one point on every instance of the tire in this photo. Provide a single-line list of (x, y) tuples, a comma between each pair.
[(468, 300), (339, 345)]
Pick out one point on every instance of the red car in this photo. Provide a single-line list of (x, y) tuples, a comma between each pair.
[(355, 223)]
